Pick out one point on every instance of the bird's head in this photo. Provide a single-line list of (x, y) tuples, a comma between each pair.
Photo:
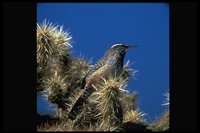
[(120, 47)]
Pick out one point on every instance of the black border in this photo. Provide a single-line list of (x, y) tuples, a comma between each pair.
[(19, 66), (183, 66)]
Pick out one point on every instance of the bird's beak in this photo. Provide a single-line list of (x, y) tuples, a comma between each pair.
[(131, 46)]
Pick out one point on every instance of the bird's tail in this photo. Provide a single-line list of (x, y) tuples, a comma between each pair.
[(76, 109)]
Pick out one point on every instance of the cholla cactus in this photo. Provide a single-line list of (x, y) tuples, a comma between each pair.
[(167, 99), (111, 107), (162, 122), (103, 108), (108, 105), (51, 42), (134, 116), (53, 46)]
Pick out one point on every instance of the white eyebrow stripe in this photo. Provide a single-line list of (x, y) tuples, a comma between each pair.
[(116, 45)]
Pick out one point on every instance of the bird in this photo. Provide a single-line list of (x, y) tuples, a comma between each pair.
[(111, 63)]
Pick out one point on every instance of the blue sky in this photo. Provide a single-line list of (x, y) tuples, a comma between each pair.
[(95, 26)]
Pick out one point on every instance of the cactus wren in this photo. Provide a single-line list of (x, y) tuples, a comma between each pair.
[(111, 63)]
